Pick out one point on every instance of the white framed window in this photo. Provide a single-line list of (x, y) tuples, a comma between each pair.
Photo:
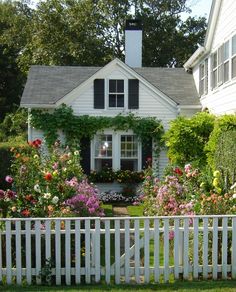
[(116, 96), (116, 150), (226, 61), (129, 152), (103, 151), (203, 78), (233, 60), (214, 70)]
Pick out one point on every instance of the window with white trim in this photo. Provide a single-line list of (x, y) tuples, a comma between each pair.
[(226, 61), (129, 152), (116, 93), (116, 150), (203, 78), (233, 56), (103, 152), (214, 70)]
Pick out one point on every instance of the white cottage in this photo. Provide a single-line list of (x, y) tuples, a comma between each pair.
[(214, 64), (116, 88)]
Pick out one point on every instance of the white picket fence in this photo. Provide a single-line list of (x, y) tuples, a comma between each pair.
[(137, 249)]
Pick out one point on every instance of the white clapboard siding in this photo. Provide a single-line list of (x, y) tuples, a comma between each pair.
[(77, 248)]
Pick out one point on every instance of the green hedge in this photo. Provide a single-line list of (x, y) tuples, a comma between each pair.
[(221, 148), (5, 161)]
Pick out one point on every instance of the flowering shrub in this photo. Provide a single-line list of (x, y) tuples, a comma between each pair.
[(42, 182), (186, 192), (86, 201)]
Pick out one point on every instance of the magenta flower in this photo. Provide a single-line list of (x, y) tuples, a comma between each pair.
[(9, 179)]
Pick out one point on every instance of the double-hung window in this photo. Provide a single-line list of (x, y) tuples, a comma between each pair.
[(116, 150), (103, 152), (116, 93), (203, 78), (129, 152)]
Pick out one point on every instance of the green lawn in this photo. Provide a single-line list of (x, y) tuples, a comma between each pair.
[(207, 286), (135, 210)]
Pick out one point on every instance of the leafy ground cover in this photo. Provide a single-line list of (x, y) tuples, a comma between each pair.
[(207, 286)]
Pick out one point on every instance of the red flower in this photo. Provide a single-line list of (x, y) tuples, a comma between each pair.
[(25, 213), (178, 171), (29, 198), (36, 143), (48, 176)]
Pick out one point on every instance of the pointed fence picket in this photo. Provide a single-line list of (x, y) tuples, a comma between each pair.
[(121, 250)]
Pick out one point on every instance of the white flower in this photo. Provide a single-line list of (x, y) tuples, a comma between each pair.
[(55, 200), (47, 196), (37, 188), (76, 152), (69, 161), (234, 196), (233, 186)]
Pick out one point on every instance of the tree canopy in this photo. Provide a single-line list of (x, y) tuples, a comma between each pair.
[(89, 33)]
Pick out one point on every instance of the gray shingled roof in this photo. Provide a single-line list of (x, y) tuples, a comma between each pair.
[(48, 84)]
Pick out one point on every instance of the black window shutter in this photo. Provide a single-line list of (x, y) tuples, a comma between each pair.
[(99, 95), (85, 155), (133, 91), (146, 152)]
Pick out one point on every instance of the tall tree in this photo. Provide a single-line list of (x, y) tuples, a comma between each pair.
[(14, 17), (88, 32)]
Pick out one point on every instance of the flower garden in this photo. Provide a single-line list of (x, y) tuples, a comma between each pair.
[(200, 178), (53, 185)]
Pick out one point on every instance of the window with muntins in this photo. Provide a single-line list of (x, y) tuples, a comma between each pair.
[(116, 93), (129, 152), (116, 150), (103, 152)]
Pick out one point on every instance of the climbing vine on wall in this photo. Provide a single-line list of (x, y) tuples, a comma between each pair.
[(77, 127)]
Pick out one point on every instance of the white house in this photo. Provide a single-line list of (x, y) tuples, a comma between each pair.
[(214, 64), (116, 88)]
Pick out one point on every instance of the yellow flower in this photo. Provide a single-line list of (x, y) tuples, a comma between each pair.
[(216, 174), (215, 182)]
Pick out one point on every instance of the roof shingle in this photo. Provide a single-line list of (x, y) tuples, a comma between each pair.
[(48, 84)]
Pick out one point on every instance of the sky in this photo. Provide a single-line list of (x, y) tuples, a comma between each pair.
[(199, 8)]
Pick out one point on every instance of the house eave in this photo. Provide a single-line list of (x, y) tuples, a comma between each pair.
[(194, 59), (190, 106), (34, 105)]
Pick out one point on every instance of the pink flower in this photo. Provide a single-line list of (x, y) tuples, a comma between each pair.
[(187, 168), (9, 179), (171, 235)]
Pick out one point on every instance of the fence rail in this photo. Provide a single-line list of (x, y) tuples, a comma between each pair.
[(127, 249)]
